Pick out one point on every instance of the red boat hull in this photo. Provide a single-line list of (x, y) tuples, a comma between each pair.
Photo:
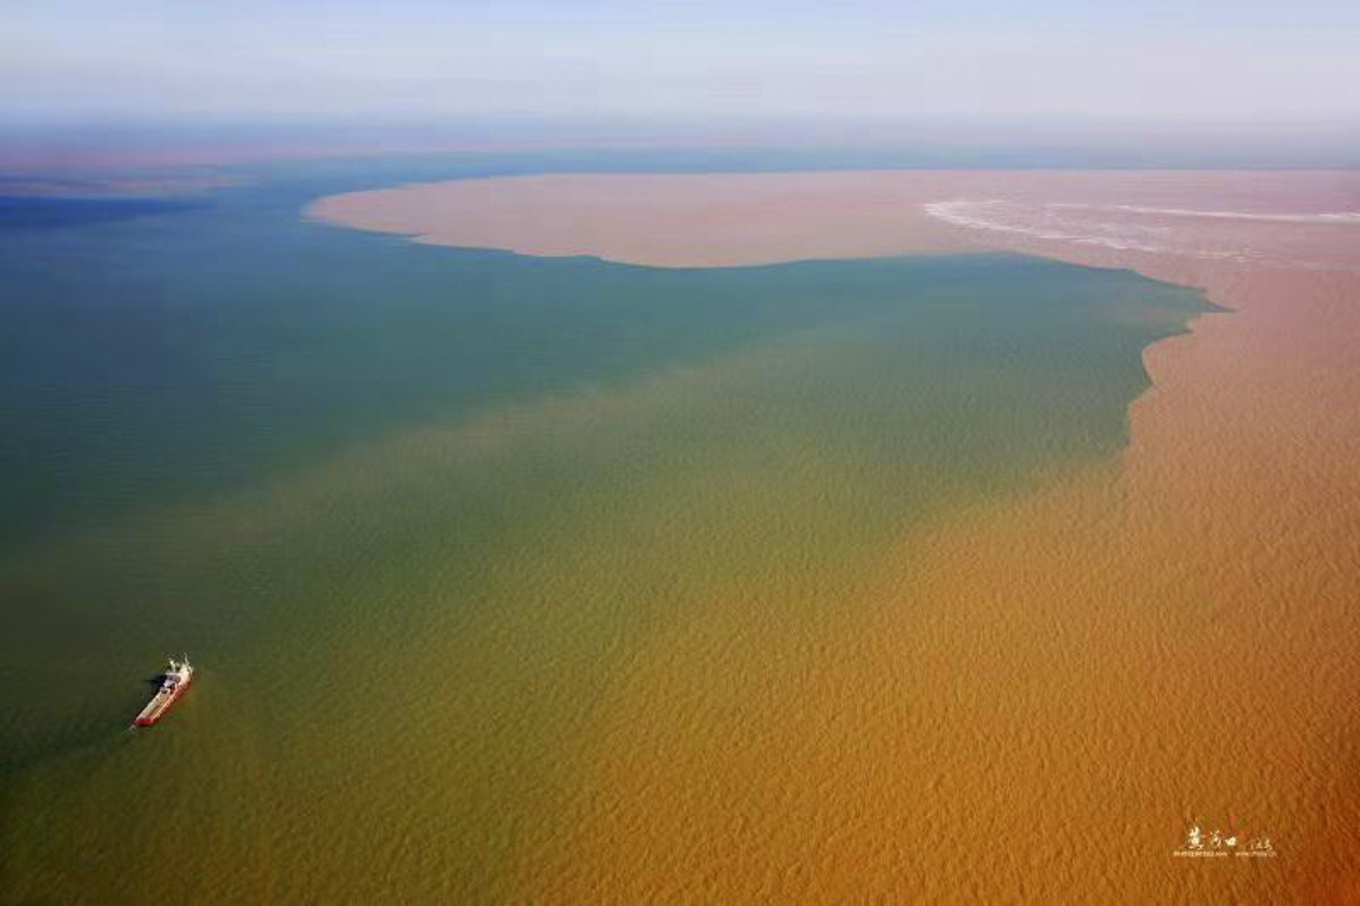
[(174, 697)]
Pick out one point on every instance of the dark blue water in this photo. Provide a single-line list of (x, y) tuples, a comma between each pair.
[(152, 350)]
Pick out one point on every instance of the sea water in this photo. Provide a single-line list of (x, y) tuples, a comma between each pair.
[(412, 511)]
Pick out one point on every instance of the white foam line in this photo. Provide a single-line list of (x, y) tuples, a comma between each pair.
[(1348, 218), (950, 212)]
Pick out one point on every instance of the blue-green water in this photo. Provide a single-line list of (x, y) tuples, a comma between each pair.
[(412, 508)]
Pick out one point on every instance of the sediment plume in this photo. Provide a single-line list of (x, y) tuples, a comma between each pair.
[(1037, 697)]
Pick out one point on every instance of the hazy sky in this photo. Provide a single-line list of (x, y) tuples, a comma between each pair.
[(1158, 60)]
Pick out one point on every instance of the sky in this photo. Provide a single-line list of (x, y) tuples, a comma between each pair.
[(1238, 61)]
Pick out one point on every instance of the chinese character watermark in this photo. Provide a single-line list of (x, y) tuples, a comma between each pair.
[(1216, 844)]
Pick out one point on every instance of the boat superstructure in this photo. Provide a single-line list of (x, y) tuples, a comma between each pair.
[(173, 682)]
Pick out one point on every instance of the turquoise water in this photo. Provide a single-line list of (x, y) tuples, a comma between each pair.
[(411, 509)]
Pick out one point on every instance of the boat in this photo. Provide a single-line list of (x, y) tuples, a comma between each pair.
[(173, 682)]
